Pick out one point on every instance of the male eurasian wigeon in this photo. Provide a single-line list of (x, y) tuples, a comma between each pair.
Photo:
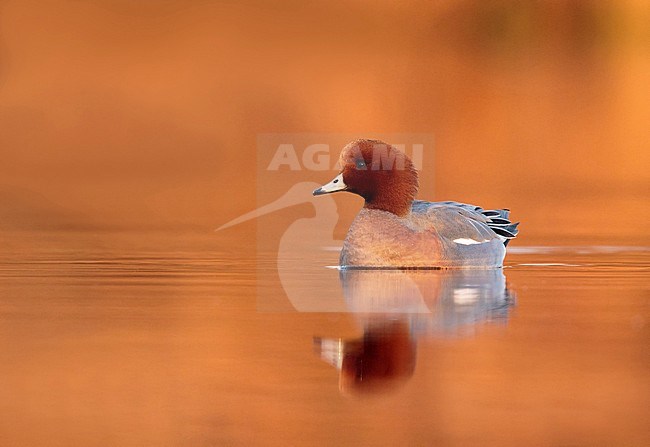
[(393, 230)]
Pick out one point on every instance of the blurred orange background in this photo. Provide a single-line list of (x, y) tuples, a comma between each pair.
[(122, 114)]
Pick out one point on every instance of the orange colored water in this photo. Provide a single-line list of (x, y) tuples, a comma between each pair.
[(162, 339)]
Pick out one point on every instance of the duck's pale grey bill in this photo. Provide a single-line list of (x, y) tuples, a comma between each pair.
[(335, 185)]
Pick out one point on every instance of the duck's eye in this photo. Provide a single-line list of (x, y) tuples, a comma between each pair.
[(361, 164)]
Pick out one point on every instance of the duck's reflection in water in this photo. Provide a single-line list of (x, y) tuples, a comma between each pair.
[(379, 361), (396, 307)]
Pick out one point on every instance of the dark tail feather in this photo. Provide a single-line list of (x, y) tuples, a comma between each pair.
[(498, 221), (504, 213)]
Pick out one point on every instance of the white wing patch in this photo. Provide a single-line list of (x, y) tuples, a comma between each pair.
[(467, 241), (465, 296)]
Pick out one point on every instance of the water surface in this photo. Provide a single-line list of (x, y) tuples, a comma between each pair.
[(175, 339)]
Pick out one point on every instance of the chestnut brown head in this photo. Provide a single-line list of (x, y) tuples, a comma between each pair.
[(384, 176)]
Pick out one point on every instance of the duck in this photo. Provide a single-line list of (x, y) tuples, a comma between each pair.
[(393, 230)]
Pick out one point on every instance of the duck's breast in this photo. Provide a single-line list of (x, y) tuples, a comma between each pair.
[(380, 239)]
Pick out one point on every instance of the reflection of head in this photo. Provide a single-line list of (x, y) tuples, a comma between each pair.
[(382, 360)]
